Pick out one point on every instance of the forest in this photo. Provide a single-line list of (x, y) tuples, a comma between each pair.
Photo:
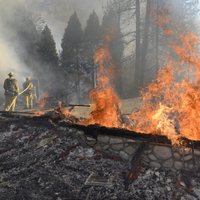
[(141, 33)]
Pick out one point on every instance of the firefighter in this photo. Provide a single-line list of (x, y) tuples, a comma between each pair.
[(28, 94), (11, 91)]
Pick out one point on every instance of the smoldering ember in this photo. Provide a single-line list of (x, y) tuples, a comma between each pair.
[(99, 100)]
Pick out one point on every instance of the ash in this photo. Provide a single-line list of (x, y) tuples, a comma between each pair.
[(44, 162)]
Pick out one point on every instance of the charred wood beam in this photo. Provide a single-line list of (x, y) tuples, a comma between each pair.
[(95, 130), (72, 106), (79, 105), (33, 112)]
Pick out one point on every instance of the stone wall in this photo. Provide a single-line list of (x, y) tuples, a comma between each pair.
[(155, 155)]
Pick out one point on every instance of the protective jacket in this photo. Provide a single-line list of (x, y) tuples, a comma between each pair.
[(28, 85), (11, 87)]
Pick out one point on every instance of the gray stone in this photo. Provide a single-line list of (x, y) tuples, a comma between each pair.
[(169, 180), (157, 174), (197, 152), (168, 188), (188, 157), (79, 132), (124, 155), (152, 157), (91, 141), (117, 147), (105, 147), (130, 150), (177, 156), (168, 163), (162, 152), (145, 160), (103, 139), (197, 191), (155, 164), (71, 130), (148, 151), (126, 145), (190, 166), (98, 147), (178, 165), (44, 142), (116, 140), (131, 141)]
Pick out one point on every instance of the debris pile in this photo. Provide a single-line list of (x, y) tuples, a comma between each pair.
[(42, 161)]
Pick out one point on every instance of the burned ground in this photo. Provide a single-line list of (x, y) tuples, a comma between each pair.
[(41, 160)]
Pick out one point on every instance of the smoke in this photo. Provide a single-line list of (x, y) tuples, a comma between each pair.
[(57, 13), (9, 44)]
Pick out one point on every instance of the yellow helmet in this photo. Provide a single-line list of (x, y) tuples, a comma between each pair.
[(11, 74), (28, 78)]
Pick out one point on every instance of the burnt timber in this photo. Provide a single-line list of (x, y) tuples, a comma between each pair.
[(91, 130)]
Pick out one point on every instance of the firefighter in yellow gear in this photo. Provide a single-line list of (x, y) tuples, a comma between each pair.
[(11, 91), (28, 94)]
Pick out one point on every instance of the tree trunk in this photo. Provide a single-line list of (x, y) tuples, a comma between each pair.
[(145, 42), (138, 45), (78, 89), (157, 35)]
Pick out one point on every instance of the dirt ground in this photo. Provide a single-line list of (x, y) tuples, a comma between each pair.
[(127, 107)]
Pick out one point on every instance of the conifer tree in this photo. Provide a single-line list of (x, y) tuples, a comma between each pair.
[(92, 34), (91, 39), (71, 42), (47, 48)]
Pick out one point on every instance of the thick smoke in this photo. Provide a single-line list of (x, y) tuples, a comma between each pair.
[(9, 46), (57, 12)]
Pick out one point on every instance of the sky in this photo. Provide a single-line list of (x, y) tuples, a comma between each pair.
[(56, 13)]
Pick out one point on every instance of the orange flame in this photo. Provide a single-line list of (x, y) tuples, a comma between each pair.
[(63, 110), (38, 113), (171, 103), (105, 102), (172, 107), (43, 100)]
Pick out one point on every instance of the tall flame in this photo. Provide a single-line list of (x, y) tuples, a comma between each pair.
[(172, 107), (105, 102), (171, 103)]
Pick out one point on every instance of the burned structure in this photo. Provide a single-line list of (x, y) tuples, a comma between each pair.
[(110, 148)]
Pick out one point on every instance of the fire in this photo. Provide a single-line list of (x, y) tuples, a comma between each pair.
[(105, 102), (63, 110), (39, 113), (171, 103), (165, 123), (41, 104), (172, 107), (43, 100)]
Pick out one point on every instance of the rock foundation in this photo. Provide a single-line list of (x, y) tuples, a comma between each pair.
[(154, 155)]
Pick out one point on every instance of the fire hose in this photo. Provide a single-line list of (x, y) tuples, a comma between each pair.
[(13, 101)]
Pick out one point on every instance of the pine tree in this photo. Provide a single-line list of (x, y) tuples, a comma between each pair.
[(91, 39), (92, 34), (71, 42), (48, 59), (47, 48)]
